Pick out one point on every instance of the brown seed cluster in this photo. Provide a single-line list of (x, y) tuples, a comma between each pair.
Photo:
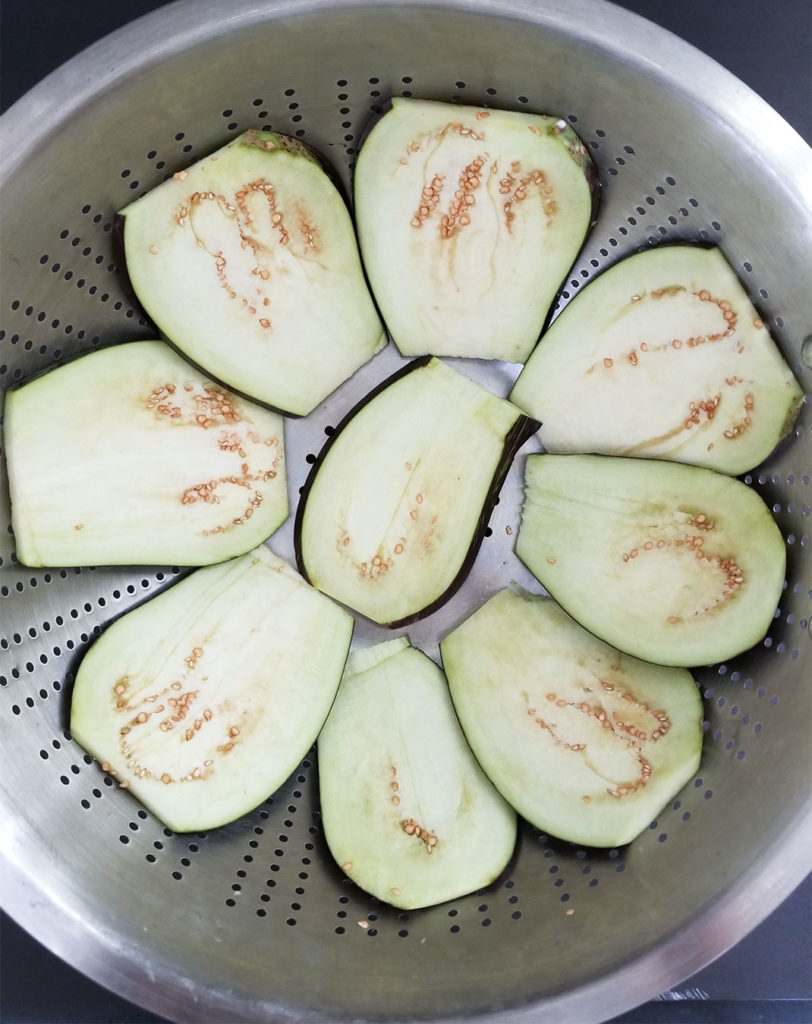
[(740, 426), (436, 135), (412, 828), (429, 200), (704, 408), (420, 528), (175, 705), (675, 344), (626, 788), (237, 211), (514, 185), (732, 576), (459, 211), (207, 406), (394, 786), (619, 714)]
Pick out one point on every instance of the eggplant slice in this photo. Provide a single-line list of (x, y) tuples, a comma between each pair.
[(469, 219), (662, 356), (203, 700), (249, 264), (129, 456), (674, 564), (408, 813), (396, 505), (586, 743)]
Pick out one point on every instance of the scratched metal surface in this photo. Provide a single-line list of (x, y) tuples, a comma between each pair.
[(253, 921)]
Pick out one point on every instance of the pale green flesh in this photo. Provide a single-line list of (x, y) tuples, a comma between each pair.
[(482, 288), (248, 263), (390, 515), (586, 743), (128, 455), (662, 356), (674, 564), (203, 700), (392, 758)]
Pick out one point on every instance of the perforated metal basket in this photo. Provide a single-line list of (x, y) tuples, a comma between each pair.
[(253, 921)]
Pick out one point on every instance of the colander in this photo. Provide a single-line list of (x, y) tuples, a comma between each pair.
[(253, 921)]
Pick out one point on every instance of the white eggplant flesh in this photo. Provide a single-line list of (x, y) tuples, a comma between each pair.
[(469, 219), (249, 264), (203, 700), (397, 503), (130, 456), (587, 744), (407, 811), (674, 564), (662, 356)]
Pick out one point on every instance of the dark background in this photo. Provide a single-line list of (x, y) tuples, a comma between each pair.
[(765, 978)]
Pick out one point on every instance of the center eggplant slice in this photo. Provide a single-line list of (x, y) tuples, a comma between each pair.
[(130, 456), (203, 700), (408, 813), (674, 564), (396, 506), (469, 219), (248, 263)]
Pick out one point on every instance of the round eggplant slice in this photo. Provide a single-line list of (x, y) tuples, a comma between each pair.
[(203, 700), (586, 743), (248, 263), (675, 564), (129, 456), (397, 503), (407, 812), (469, 219), (662, 356)]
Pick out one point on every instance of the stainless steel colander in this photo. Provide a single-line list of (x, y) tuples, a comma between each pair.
[(253, 921)]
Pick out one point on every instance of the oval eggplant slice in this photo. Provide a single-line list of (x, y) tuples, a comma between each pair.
[(396, 506), (248, 263), (468, 220), (408, 813), (662, 356), (129, 456), (203, 700), (678, 565), (586, 743)]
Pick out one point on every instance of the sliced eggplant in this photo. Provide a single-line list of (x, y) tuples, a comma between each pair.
[(586, 743), (662, 356), (130, 456), (395, 508), (469, 219), (203, 700), (248, 263), (674, 564), (407, 812)]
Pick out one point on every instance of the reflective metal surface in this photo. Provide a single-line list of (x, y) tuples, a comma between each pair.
[(253, 921)]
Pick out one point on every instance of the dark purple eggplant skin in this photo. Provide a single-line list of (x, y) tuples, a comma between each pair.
[(521, 431)]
